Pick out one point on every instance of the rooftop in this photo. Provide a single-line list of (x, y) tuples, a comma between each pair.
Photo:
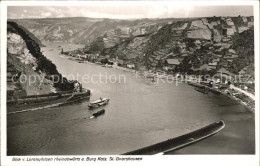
[(173, 61)]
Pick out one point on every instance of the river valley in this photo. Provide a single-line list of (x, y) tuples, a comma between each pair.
[(139, 114)]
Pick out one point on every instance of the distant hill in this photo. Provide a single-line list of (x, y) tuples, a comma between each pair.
[(80, 29), (184, 45)]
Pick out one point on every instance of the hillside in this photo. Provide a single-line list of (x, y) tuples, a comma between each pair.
[(31, 35), (84, 30), (197, 46), (193, 46), (25, 61)]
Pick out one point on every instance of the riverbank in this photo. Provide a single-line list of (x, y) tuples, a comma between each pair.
[(40, 102), (248, 101), (145, 73), (175, 110), (228, 91)]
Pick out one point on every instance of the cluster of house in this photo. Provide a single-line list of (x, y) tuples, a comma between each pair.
[(79, 55)]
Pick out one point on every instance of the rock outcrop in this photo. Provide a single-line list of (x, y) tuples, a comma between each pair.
[(28, 71)]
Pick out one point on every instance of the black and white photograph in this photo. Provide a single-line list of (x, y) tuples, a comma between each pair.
[(129, 80)]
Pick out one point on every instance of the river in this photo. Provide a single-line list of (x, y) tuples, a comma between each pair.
[(139, 114)]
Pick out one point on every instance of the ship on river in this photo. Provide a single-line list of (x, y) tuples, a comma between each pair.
[(98, 103), (98, 113)]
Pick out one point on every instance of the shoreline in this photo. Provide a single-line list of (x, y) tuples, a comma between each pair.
[(155, 74), (224, 94), (167, 76), (39, 102)]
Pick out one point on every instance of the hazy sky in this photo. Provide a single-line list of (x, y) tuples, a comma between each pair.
[(125, 12)]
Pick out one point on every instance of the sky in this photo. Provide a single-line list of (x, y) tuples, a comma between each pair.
[(126, 12)]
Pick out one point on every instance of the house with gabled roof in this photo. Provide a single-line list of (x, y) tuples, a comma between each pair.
[(172, 62), (243, 71), (229, 22), (230, 31), (225, 72), (224, 75), (232, 51), (250, 24), (242, 28), (223, 63), (213, 63), (204, 67), (244, 19)]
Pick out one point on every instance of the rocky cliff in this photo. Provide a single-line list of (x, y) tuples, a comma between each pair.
[(28, 71)]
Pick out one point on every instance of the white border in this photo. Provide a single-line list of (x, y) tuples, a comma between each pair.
[(212, 160)]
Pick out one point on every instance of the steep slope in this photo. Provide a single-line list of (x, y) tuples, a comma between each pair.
[(32, 36), (243, 43), (60, 30), (194, 46), (28, 71)]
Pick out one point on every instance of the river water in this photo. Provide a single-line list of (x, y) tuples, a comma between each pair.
[(139, 114)]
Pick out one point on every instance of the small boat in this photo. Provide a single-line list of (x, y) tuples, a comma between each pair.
[(98, 103), (202, 90), (98, 113)]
